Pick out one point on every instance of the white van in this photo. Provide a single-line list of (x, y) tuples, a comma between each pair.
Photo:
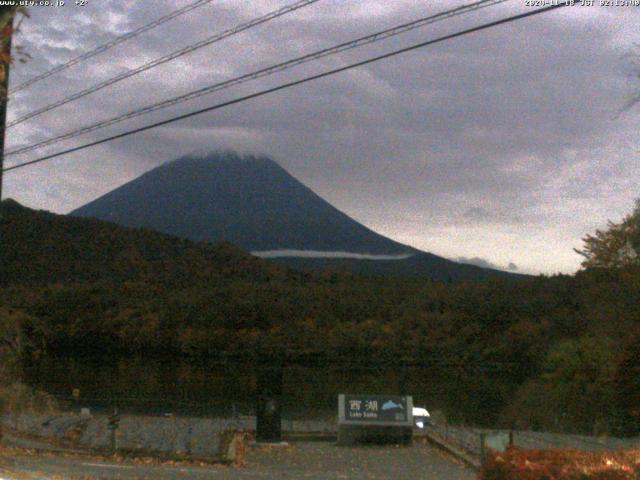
[(421, 417)]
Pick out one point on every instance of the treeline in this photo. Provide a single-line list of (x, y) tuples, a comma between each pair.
[(565, 344)]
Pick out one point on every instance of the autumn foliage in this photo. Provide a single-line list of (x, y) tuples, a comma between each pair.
[(545, 353), (517, 464)]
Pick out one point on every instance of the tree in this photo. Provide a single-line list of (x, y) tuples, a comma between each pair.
[(575, 391), (627, 382), (7, 28), (580, 373), (616, 247)]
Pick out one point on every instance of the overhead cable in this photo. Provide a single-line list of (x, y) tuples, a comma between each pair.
[(166, 58), (292, 84), (368, 39), (110, 44)]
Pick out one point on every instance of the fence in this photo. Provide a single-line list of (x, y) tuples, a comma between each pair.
[(470, 439), (152, 406)]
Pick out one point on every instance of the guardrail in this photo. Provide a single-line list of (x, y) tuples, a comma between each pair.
[(470, 439)]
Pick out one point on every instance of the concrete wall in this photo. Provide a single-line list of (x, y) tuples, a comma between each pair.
[(206, 438)]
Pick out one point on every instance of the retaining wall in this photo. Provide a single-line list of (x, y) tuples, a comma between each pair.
[(205, 438)]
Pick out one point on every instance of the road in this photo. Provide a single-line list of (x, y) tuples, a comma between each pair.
[(301, 460)]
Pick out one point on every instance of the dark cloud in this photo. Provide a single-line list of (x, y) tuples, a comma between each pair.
[(495, 145)]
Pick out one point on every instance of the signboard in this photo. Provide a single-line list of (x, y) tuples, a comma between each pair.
[(388, 410)]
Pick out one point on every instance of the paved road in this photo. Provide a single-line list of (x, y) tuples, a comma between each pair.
[(302, 460)]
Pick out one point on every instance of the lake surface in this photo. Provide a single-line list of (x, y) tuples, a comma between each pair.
[(155, 386)]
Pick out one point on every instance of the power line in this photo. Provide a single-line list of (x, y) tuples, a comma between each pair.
[(167, 58), (382, 35), (110, 44), (291, 84)]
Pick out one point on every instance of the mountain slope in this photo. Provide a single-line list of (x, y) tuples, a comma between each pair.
[(251, 202), (422, 264), (255, 204)]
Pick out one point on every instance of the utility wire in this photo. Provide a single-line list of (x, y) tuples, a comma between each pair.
[(382, 35), (291, 84), (110, 44), (167, 58)]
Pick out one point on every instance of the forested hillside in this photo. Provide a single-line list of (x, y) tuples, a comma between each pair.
[(79, 286)]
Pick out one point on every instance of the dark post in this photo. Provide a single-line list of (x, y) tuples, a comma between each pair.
[(483, 451), (6, 50), (269, 405), (113, 424)]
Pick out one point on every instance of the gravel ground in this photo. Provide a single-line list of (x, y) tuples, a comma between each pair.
[(301, 460)]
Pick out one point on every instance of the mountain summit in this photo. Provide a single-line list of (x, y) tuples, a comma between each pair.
[(249, 201), (255, 204)]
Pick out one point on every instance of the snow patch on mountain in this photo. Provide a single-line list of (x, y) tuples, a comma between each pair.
[(325, 254)]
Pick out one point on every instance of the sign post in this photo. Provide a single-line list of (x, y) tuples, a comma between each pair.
[(375, 419), (112, 425), (268, 407)]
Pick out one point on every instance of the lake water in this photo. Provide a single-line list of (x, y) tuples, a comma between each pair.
[(156, 386)]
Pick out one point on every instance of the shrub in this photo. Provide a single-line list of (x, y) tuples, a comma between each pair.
[(517, 464)]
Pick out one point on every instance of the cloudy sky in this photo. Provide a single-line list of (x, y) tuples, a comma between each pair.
[(506, 145)]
